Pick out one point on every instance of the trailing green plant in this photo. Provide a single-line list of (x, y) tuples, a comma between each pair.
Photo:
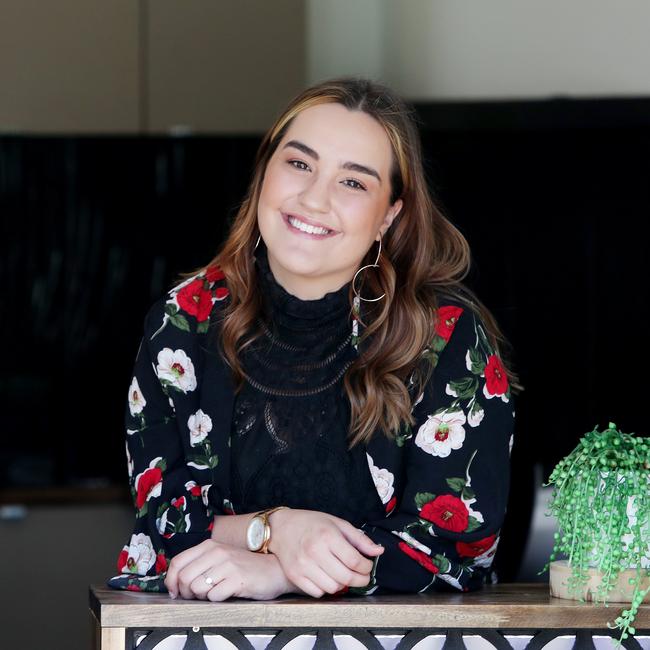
[(601, 500)]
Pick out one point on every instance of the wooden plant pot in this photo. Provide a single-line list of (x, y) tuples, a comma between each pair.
[(621, 593)]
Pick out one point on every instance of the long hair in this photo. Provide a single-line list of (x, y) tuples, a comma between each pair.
[(422, 253)]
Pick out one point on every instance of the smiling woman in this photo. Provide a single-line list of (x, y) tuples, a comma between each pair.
[(323, 407)]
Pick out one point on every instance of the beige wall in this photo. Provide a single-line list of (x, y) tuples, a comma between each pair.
[(231, 65), (128, 66), (69, 65), (470, 49), (473, 49)]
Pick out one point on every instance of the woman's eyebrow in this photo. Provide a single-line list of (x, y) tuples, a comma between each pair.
[(355, 167)]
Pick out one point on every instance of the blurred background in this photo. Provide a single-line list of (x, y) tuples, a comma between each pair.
[(127, 136)]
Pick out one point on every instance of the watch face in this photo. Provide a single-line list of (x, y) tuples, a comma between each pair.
[(255, 534)]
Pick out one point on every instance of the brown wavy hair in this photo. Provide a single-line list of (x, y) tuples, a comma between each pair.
[(422, 253)]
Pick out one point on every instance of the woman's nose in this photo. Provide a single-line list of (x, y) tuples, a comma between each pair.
[(316, 195)]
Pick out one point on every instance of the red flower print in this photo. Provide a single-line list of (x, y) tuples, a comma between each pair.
[(447, 318), (178, 503), (161, 562), (446, 511), (210, 525), (147, 482), (195, 490), (214, 273), (133, 588), (474, 549), (390, 506), (221, 292), (195, 300), (122, 559), (421, 558), (496, 380)]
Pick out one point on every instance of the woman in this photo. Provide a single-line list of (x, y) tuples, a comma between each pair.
[(323, 407)]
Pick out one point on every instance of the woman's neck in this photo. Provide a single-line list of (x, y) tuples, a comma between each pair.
[(305, 289)]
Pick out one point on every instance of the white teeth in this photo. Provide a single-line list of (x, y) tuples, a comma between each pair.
[(307, 228)]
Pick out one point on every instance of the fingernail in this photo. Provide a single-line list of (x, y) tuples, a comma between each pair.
[(172, 594)]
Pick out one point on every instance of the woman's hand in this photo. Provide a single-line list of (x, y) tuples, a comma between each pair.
[(234, 572), (321, 553)]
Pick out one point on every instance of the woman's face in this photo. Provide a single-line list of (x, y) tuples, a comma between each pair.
[(330, 171)]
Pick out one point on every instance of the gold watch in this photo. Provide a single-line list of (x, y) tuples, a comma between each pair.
[(258, 533)]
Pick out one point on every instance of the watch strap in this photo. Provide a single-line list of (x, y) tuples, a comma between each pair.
[(265, 514)]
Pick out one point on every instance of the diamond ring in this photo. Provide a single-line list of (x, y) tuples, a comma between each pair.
[(209, 580)]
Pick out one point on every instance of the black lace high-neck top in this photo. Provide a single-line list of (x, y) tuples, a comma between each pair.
[(291, 419)]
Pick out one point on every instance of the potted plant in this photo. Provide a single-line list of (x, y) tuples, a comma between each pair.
[(601, 500)]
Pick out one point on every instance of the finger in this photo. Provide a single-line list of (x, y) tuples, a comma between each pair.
[(191, 578), (200, 588), (308, 587), (222, 591), (358, 538), (352, 559), (178, 562), (339, 572), (323, 580)]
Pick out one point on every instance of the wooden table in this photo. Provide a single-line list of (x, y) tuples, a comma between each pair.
[(121, 618)]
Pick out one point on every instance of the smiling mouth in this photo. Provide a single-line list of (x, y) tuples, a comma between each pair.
[(300, 227)]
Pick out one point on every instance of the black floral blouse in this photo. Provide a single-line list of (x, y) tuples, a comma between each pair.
[(441, 485)]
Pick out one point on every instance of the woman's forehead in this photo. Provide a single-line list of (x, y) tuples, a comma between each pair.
[(334, 131)]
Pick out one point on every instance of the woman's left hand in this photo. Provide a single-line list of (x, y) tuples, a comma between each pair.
[(234, 572)]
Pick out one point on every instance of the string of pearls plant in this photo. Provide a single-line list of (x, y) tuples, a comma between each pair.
[(601, 500)]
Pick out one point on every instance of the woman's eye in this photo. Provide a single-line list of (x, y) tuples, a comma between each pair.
[(300, 162), (358, 185)]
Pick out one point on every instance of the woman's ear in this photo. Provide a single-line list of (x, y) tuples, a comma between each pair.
[(388, 219)]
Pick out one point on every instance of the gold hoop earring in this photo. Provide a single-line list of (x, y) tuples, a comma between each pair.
[(367, 266)]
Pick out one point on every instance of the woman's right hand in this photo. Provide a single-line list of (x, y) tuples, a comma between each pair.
[(320, 553)]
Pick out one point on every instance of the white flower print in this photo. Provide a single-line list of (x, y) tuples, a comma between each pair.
[(129, 461), (468, 361), (485, 559), (475, 414), (383, 480), (136, 399), (450, 580), (441, 433), (204, 493), (468, 502), (199, 425), (176, 369), (161, 522), (486, 392), (473, 513), (510, 443), (450, 391), (155, 490), (141, 554), (411, 541)]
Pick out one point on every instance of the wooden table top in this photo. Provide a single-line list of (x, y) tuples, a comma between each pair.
[(504, 606)]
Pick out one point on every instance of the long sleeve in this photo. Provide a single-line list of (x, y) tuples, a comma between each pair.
[(171, 508), (444, 529)]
